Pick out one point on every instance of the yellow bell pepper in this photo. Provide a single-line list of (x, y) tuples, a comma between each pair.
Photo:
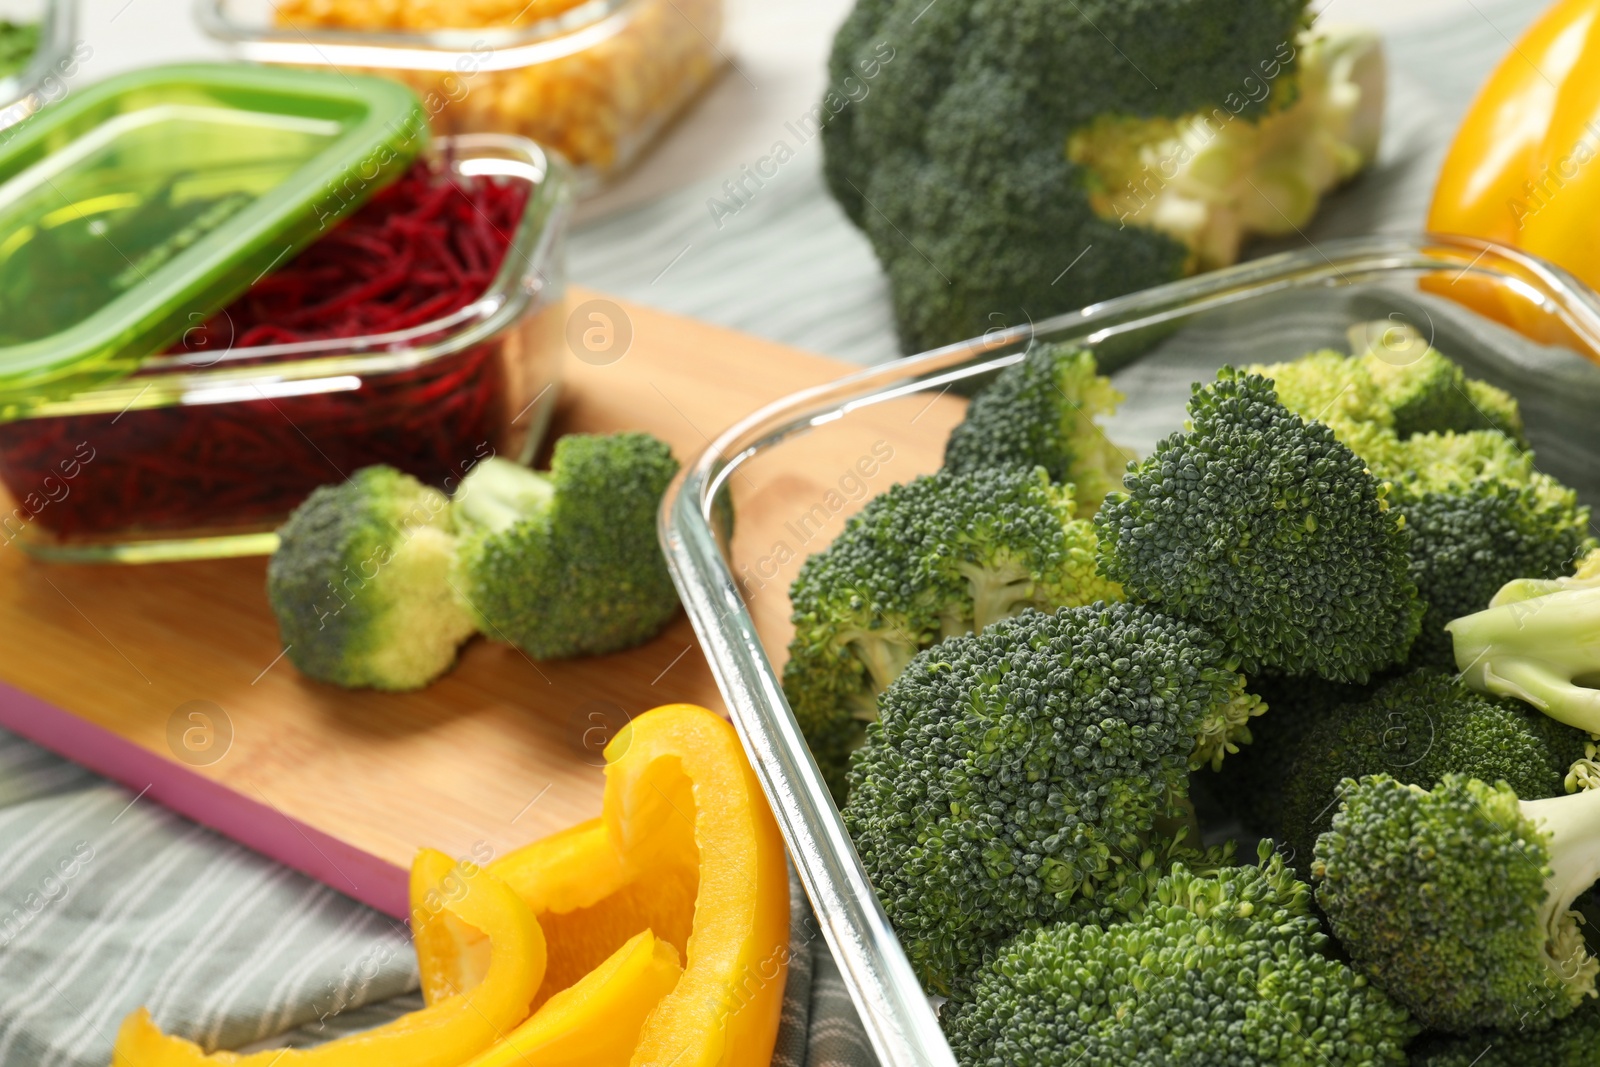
[(444, 1034), (596, 1021), (1524, 169), (677, 783), (686, 848)]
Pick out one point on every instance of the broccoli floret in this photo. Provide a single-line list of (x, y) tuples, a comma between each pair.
[(1265, 529), (1457, 900), (360, 583), (1250, 785), (1428, 393), (1480, 515), (1571, 1042), (944, 554), (1224, 969), (567, 563), (1419, 728), (1034, 772), (1015, 161), (1539, 641), (1041, 412)]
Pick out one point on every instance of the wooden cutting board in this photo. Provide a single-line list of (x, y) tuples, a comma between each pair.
[(168, 679)]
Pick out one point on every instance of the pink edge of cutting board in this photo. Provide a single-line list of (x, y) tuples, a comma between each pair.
[(357, 874)]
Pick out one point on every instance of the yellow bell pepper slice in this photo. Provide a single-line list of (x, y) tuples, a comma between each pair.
[(595, 1022), (444, 1034), (677, 783), (1524, 169), (686, 847), (586, 899)]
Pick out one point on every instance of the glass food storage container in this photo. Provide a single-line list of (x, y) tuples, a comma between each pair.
[(39, 55), (596, 80), (203, 453), (795, 470)]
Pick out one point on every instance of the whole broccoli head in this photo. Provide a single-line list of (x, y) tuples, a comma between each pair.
[(1218, 970), (1011, 161), (360, 583), (1035, 772), (942, 555), (1539, 641), (1265, 529), (1570, 1042), (1480, 516), (567, 563), (1041, 413), (1457, 900), (1418, 728)]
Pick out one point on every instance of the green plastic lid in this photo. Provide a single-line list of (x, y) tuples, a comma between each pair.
[(136, 208)]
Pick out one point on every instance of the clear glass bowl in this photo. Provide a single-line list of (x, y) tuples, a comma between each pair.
[(54, 63), (596, 81), (796, 469), (133, 470)]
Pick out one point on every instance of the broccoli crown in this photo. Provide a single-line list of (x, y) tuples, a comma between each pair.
[(1418, 728), (954, 163), (1041, 412), (360, 583), (1019, 776), (1537, 641), (944, 554), (1480, 516), (1426, 392), (1456, 900), (567, 564), (1250, 786), (1222, 970), (1570, 1042), (1265, 529)]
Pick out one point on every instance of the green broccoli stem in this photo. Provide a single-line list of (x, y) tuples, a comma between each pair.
[(1537, 648), (999, 591), (498, 494), (1571, 828), (884, 656)]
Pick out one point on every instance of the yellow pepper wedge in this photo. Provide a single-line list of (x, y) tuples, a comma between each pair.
[(444, 1034), (677, 783), (586, 899), (1524, 169), (595, 1022)]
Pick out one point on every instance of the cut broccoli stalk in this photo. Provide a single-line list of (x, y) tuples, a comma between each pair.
[(1539, 641), (498, 494), (1209, 181), (1458, 900)]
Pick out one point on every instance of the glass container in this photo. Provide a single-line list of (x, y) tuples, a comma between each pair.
[(595, 80), (795, 470), (43, 77), (203, 454)]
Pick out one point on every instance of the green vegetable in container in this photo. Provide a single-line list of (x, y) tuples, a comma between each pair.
[(18, 42), (942, 555), (1013, 161), (1214, 970), (1266, 530), (1458, 900), (1038, 771)]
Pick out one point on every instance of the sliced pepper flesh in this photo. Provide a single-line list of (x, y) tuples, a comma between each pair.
[(678, 783), (596, 1021), (444, 1034)]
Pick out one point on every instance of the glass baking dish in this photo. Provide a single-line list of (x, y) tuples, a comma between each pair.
[(81, 472), (55, 60), (596, 80), (795, 470)]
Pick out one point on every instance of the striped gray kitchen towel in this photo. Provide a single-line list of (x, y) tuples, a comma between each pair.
[(107, 902)]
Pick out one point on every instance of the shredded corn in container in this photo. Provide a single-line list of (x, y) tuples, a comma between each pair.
[(598, 106)]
